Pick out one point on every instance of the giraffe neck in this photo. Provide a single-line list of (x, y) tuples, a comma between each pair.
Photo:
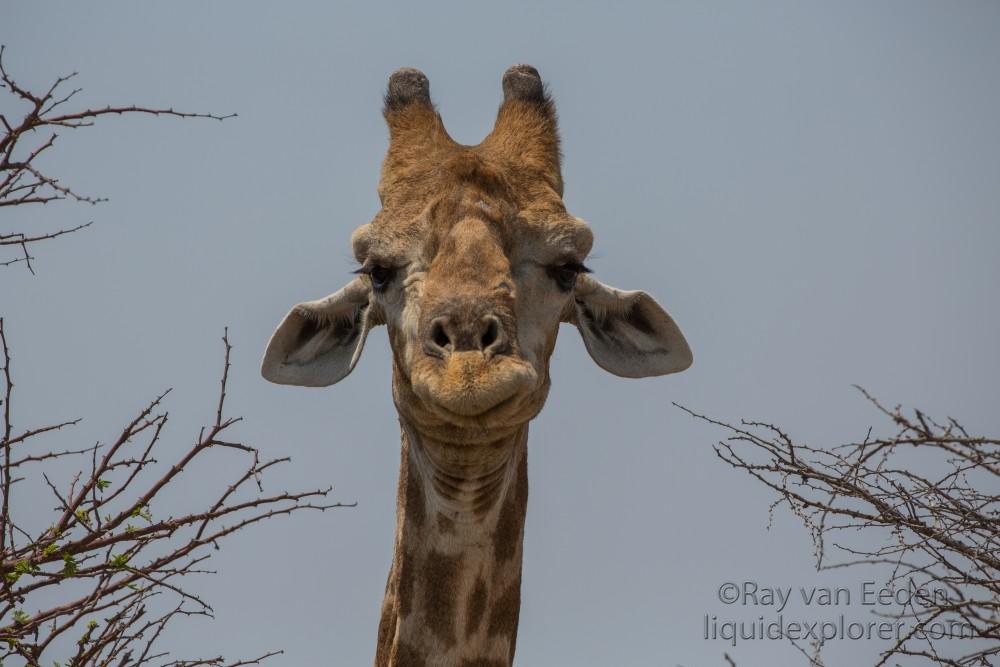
[(454, 589)]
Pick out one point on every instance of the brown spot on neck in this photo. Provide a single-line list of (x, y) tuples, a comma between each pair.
[(505, 612), (476, 607), (446, 526), (437, 580)]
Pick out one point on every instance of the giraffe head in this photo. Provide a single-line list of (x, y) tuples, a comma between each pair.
[(472, 263)]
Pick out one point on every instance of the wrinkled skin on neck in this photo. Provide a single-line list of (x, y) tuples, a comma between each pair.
[(454, 588)]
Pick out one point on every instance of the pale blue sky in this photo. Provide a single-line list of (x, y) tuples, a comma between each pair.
[(810, 189)]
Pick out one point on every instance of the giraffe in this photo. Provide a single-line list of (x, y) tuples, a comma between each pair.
[(472, 263)]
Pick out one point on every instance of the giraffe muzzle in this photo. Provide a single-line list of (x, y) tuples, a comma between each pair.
[(470, 383)]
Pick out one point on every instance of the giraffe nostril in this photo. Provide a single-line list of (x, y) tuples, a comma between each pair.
[(446, 336), (440, 336), (491, 334)]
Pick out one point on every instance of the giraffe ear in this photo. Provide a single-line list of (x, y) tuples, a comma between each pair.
[(628, 333), (319, 342)]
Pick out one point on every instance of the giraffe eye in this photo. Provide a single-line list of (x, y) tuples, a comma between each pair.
[(380, 275), (565, 274)]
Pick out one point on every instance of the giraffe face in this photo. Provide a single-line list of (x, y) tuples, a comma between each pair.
[(472, 263), (473, 295)]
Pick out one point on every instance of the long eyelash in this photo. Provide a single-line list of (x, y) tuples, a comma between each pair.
[(368, 267)]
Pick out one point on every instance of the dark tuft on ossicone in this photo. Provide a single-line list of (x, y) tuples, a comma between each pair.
[(407, 86), (522, 82)]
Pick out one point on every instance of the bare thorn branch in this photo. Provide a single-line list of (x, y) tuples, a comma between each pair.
[(928, 491)]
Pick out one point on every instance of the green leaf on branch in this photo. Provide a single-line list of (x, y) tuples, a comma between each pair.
[(119, 561), (70, 567), (143, 513)]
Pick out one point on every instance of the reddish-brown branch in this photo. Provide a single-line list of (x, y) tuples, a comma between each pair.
[(123, 566), (21, 181)]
